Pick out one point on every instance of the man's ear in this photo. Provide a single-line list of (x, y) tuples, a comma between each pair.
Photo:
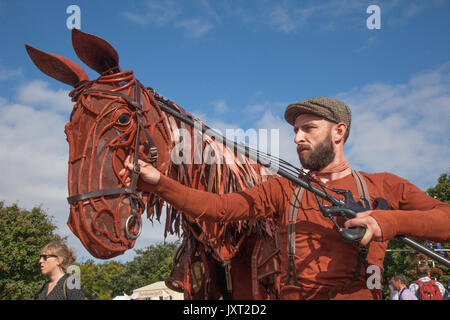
[(339, 131)]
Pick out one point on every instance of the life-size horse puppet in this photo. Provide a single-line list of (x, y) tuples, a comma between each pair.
[(115, 116)]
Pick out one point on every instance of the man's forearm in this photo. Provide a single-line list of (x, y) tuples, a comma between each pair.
[(432, 224), (205, 205)]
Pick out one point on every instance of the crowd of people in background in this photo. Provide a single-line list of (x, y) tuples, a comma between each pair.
[(56, 257), (424, 288)]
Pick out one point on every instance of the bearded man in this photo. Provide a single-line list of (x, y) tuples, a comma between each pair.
[(316, 262)]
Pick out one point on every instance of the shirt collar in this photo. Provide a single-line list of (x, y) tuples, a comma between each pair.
[(424, 279)]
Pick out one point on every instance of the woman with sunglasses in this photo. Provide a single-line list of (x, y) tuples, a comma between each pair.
[(54, 260)]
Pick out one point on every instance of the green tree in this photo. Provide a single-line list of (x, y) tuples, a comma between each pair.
[(150, 265), (441, 191), (23, 234), (101, 281)]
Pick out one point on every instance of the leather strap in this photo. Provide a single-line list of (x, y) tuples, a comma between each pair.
[(292, 220), (296, 199), (364, 195), (98, 193), (363, 191)]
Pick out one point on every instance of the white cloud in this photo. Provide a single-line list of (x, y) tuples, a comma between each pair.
[(282, 16), (7, 73), (256, 108), (220, 106), (285, 16), (38, 93), (288, 16), (33, 152), (407, 11), (402, 128), (276, 137), (284, 146), (171, 14), (287, 20), (368, 43), (399, 128), (158, 13), (209, 10), (194, 27)]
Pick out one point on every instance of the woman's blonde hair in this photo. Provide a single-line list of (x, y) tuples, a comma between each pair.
[(60, 249)]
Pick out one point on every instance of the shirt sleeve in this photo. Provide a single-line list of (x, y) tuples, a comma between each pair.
[(42, 292), (73, 293), (261, 201), (413, 213), (441, 288)]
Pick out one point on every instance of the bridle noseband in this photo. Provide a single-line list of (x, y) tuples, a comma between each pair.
[(135, 199)]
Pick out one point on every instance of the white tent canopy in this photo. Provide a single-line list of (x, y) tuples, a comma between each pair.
[(158, 291), (134, 296)]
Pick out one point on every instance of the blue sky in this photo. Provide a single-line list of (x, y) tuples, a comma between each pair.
[(235, 64)]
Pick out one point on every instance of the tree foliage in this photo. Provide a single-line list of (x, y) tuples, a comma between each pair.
[(23, 234), (101, 281), (150, 265), (107, 280), (441, 191)]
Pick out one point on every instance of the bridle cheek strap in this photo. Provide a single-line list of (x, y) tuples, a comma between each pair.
[(97, 194)]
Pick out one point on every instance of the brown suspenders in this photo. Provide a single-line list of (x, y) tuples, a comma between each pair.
[(363, 191), (296, 200), (292, 220)]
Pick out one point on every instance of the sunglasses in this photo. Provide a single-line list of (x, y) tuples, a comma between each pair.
[(46, 256)]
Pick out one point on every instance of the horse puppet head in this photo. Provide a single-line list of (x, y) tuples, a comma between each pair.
[(114, 116)]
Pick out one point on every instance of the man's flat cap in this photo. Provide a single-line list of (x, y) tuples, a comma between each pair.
[(328, 108)]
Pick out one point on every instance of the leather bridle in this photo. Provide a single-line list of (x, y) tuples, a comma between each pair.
[(135, 200)]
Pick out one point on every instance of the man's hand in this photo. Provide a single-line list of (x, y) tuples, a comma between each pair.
[(148, 173), (363, 219)]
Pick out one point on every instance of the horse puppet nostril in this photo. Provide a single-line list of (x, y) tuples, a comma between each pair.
[(100, 229)]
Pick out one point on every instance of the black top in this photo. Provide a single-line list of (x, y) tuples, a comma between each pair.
[(58, 291)]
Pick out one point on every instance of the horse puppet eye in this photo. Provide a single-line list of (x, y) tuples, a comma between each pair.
[(124, 118)]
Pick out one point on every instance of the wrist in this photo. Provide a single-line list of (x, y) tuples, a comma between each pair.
[(157, 178)]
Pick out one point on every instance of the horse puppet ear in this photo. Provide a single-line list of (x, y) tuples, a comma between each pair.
[(95, 52), (57, 67)]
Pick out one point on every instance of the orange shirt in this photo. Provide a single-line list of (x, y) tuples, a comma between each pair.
[(325, 263)]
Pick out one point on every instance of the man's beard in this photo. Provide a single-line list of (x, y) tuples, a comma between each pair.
[(319, 157)]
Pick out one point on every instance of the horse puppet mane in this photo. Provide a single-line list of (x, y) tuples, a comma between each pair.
[(225, 171)]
